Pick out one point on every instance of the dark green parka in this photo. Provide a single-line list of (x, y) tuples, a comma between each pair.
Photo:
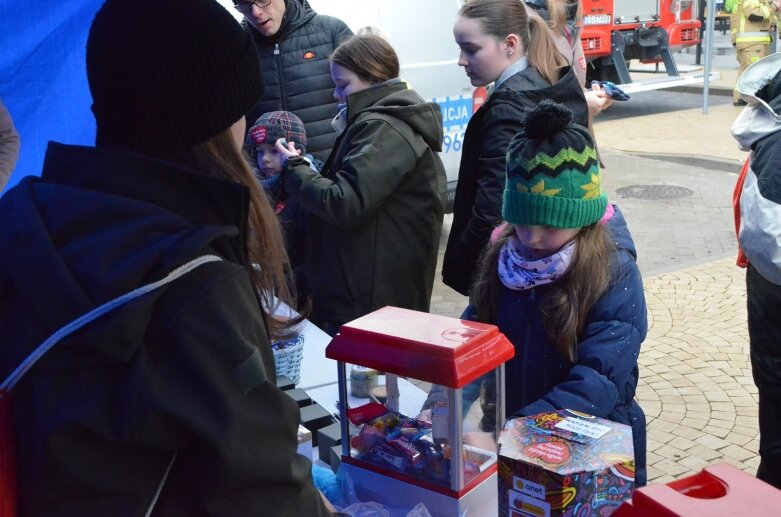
[(375, 213)]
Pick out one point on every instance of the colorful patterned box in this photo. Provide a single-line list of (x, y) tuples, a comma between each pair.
[(564, 464)]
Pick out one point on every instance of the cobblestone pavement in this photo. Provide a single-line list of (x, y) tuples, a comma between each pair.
[(696, 386), (695, 377)]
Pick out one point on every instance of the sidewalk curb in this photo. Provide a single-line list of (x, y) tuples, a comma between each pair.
[(703, 162), (712, 90)]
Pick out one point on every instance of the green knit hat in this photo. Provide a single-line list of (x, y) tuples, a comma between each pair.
[(552, 172)]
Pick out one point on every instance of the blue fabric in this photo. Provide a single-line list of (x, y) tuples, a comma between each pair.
[(43, 79)]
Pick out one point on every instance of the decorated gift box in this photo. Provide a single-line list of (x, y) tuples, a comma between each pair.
[(564, 463)]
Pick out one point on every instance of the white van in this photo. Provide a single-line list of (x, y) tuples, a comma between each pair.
[(421, 32)]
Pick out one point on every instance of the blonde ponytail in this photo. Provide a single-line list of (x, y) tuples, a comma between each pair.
[(542, 52)]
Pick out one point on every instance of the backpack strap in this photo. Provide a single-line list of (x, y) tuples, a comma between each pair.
[(15, 376), (92, 315), (153, 503)]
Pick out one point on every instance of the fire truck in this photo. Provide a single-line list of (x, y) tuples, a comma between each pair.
[(615, 31)]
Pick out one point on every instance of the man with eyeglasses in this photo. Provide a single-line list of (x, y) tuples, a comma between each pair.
[(294, 43)]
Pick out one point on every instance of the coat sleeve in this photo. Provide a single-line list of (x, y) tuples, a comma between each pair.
[(211, 396), (377, 160), (760, 207), (9, 145), (503, 124), (604, 374)]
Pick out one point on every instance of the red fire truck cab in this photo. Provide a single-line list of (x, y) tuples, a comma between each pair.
[(615, 31)]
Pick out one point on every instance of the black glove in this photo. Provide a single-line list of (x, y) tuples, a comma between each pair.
[(755, 18)]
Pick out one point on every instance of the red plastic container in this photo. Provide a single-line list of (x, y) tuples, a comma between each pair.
[(428, 347), (718, 490)]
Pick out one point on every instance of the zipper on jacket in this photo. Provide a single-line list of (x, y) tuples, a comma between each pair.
[(282, 97), (533, 295)]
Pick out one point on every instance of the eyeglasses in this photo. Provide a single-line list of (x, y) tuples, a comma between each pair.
[(245, 7)]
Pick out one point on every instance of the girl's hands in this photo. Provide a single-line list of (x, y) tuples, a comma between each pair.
[(597, 99), (286, 149)]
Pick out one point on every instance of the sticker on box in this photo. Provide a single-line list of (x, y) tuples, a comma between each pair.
[(579, 426), (523, 505), (527, 487)]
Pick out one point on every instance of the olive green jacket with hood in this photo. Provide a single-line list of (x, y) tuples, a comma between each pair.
[(375, 213)]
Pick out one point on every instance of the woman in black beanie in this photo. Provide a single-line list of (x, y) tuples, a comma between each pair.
[(168, 404)]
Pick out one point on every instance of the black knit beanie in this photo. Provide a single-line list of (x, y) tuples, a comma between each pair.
[(168, 74)]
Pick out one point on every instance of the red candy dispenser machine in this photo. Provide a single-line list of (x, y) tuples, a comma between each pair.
[(399, 454)]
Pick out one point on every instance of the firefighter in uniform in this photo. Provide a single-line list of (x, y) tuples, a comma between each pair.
[(751, 25)]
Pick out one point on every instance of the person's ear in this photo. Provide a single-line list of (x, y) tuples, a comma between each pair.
[(512, 45)]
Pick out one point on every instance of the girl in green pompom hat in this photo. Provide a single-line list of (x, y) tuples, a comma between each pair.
[(560, 280)]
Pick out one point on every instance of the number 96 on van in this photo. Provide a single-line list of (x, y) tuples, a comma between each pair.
[(453, 141)]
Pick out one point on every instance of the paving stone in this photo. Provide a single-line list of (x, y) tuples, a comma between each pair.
[(669, 468), (726, 416), (736, 452), (671, 452), (740, 439), (712, 442), (703, 452), (694, 463), (682, 443)]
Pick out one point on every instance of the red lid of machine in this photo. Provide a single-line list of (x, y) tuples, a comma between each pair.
[(428, 347)]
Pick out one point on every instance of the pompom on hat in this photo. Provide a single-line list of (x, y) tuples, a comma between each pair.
[(553, 176), (166, 75)]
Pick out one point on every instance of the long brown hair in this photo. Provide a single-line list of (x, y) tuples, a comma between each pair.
[(370, 56), (565, 304), (500, 18), (558, 13), (220, 157)]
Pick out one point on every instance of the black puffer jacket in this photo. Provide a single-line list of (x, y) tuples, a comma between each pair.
[(478, 204), (296, 72), (186, 369), (377, 209)]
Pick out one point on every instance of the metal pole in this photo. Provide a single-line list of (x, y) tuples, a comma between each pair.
[(341, 375), (709, 31), (456, 438)]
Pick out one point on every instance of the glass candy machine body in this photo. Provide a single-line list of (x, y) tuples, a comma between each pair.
[(402, 459)]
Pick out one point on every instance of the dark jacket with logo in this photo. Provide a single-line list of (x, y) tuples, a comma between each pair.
[(186, 369), (376, 211), (296, 72), (478, 203)]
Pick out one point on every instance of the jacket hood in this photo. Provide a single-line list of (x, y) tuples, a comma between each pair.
[(760, 86), (620, 232), (101, 222), (528, 88), (393, 98)]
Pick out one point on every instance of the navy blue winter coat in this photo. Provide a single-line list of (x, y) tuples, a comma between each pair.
[(603, 380), (297, 74)]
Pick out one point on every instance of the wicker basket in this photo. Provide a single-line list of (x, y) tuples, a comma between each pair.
[(288, 354)]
